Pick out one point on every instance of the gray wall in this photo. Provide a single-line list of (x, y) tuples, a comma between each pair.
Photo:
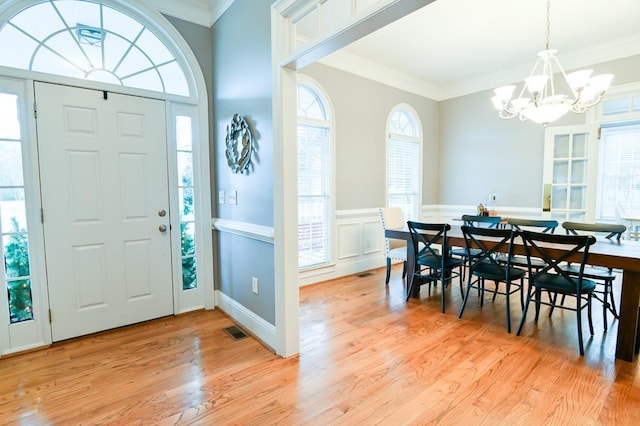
[(468, 154), (242, 84), (362, 109), (481, 154), (199, 40)]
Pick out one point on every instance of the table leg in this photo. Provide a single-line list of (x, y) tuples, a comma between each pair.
[(628, 330), (410, 270)]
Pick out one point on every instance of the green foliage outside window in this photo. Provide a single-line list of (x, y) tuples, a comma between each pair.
[(187, 242), (16, 261), (188, 258)]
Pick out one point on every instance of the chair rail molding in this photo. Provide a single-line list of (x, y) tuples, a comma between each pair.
[(244, 229), (359, 239)]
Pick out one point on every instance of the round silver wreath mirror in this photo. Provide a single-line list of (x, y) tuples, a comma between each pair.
[(239, 144)]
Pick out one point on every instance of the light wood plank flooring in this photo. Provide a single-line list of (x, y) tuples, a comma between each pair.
[(366, 358)]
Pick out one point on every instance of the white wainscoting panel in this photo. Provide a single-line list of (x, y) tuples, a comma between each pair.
[(349, 240), (371, 241), (359, 246)]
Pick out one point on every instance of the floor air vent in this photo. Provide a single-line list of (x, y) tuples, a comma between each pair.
[(235, 332)]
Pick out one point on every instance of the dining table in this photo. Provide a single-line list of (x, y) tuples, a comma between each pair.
[(623, 255)]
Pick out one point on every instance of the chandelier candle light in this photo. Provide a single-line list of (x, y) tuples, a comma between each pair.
[(544, 105)]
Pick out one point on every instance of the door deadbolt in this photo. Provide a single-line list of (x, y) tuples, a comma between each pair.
[(162, 212), (162, 228)]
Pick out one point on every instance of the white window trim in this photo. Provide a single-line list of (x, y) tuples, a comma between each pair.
[(329, 111), (420, 139)]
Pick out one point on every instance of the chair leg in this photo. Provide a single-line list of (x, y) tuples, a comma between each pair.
[(609, 289), (442, 290), (386, 281), (410, 290), (465, 297), (589, 299), (605, 306), (495, 291), (538, 297), (579, 321), (463, 269), (524, 313), (404, 269), (553, 299), (508, 293)]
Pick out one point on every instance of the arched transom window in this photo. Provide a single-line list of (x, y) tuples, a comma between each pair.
[(91, 41)]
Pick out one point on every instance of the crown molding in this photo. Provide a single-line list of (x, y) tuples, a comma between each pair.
[(573, 60), (201, 12), (366, 68), (570, 60)]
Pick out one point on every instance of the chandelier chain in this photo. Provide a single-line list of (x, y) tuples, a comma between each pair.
[(548, 23)]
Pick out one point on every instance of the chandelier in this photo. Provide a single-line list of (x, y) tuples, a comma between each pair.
[(542, 104)]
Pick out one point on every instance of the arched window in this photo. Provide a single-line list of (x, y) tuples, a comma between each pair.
[(92, 41), (314, 177), (404, 151)]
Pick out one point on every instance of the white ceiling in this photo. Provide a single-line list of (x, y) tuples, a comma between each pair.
[(454, 47)]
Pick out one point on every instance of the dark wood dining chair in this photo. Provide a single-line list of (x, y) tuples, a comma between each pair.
[(433, 262), (554, 278), (604, 277), (480, 221), (476, 221), (484, 266), (537, 225)]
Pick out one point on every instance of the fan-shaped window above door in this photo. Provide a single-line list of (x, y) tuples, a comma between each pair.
[(91, 41)]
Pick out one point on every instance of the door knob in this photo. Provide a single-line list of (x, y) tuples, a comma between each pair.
[(162, 212), (162, 228)]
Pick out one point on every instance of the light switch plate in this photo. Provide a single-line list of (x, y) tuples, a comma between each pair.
[(220, 197), (233, 197)]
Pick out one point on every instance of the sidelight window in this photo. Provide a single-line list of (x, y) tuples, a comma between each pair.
[(13, 222)]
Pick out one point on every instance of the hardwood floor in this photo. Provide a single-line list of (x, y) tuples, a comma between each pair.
[(366, 357)]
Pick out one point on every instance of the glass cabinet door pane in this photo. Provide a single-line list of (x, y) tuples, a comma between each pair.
[(579, 171), (561, 146), (578, 196), (579, 145), (559, 197), (560, 172)]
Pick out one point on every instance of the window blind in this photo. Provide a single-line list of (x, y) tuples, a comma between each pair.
[(619, 185), (402, 175), (313, 195)]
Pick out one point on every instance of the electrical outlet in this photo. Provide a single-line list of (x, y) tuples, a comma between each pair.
[(254, 285)]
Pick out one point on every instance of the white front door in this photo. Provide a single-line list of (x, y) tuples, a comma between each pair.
[(103, 171)]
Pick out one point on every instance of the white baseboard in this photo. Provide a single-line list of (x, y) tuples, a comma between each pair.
[(258, 327), (340, 269)]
